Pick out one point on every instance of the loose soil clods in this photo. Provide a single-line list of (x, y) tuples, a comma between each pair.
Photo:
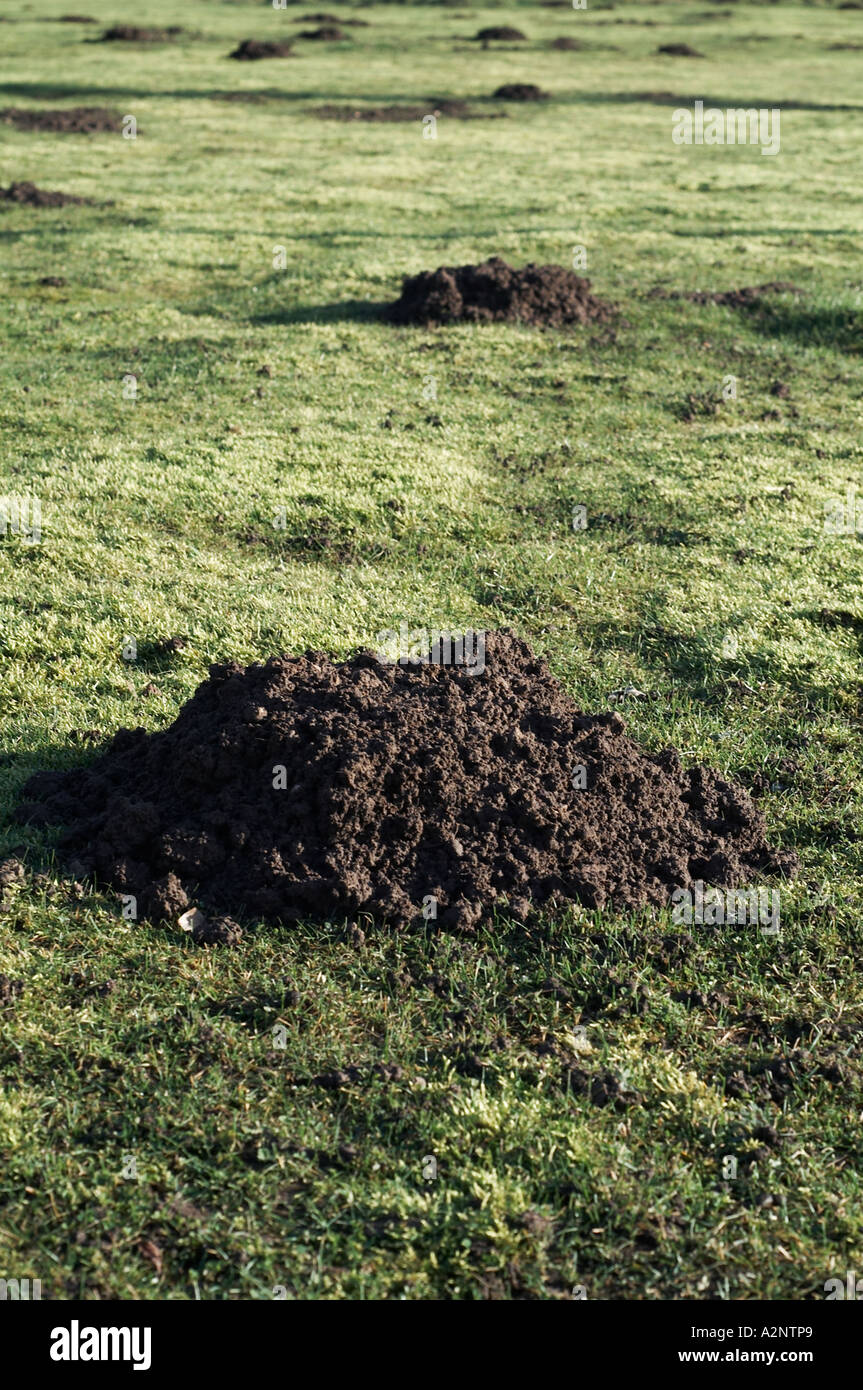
[(29, 195), (305, 788), (520, 91), (495, 292), (500, 33), (251, 50), (75, 120)]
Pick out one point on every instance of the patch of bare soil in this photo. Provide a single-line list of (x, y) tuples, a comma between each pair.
[(252, 50), (130, 33), (500, 33), (75, 120), (679, 50), (455, 109), (747, 297), (31, 196), (520, 91)]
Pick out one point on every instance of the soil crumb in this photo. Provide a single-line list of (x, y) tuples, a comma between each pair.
[(251, 50), (520, 91), (31, 196), (70, 120), (496, 292), (303, 788)]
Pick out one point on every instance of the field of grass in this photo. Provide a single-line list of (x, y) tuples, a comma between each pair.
[(157, 1139)]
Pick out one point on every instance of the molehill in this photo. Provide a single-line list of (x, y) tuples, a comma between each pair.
[(303, 788), (494, 291), (31, 196)]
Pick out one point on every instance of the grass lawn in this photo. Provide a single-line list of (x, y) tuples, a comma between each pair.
[(158, 1139)]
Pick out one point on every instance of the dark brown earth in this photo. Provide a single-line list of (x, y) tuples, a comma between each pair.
[(252, 49), (747, 297), (500, 33), (520, 91), (567, 45), (74, 120), (129, 33), (495, 291), (455, 109), (679, 50), (34, 197), (402, 787)]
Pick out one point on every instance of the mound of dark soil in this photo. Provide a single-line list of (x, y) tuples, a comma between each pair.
[(520, 91), (31, 196), (129, 33), (330, 33), (252, 49), (458, 110), (500, 33), (679, 50), (302, 787), (494, 291), (566, 45), (747, 297), (74, 120)]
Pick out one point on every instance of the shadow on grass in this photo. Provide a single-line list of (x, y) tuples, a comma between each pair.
[(62, 91), (834, 327), (45, 91), (346, 311), (837, 326), (674, 99)]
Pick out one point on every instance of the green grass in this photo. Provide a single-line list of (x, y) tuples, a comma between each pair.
[(438, 502)]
